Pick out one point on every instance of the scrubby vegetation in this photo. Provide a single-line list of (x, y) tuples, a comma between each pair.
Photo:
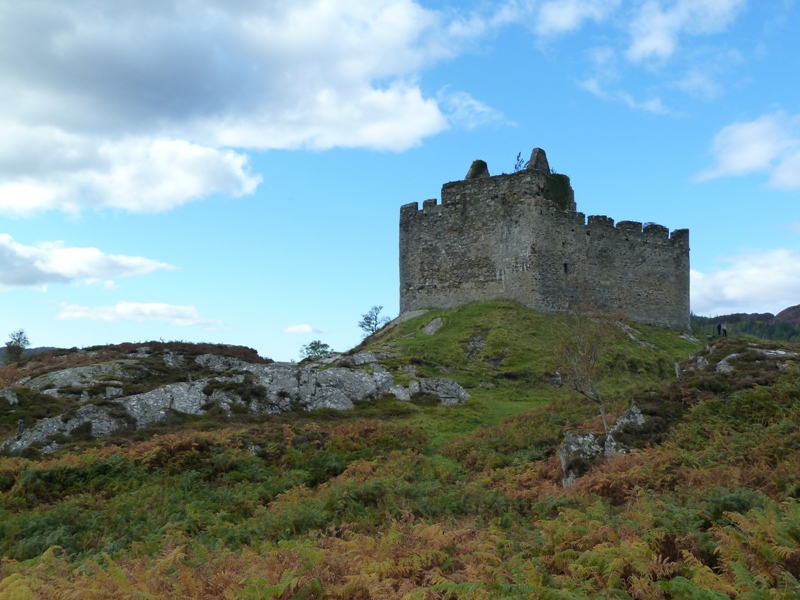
[(412, 500)]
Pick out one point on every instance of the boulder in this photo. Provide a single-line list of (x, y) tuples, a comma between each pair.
[(447, 390), (578, 454), (153, 406), (724, 366), (10, 396), (433, 326), (581, 452)]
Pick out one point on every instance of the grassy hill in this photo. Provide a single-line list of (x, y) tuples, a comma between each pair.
[(418, 500)]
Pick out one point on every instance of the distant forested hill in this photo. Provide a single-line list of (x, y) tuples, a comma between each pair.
[(785, 327)]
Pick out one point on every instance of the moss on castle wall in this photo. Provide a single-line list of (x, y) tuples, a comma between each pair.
[(558, 191)]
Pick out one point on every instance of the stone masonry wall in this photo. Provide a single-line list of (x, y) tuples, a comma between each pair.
[(519, 237)]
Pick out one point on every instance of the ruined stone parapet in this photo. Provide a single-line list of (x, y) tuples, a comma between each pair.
[(538, 162), (477, 170)]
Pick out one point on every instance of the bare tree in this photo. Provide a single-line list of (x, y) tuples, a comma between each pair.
[(581, 358), (15, 346), (371, 321)]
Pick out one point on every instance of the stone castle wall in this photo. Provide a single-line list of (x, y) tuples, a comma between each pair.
[(519, 237)]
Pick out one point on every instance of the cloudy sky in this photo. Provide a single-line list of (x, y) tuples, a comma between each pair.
[(233, 171)]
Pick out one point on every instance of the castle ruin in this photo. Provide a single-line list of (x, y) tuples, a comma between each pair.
[(520, 237)]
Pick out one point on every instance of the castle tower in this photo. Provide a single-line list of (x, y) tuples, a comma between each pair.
[(520, 237)]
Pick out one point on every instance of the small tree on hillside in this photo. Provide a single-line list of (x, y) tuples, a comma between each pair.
[(315, 349), (15, 346), (581, 358), (371, 321)]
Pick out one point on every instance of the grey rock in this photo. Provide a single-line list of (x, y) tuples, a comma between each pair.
[(447, 390), (633, 335), (406, 316), (580, 452), (10, 396), (555, 381), (702, 363), (153, 406), (215, 362), (272, 389), (776, 353), (433, 326), (173, 360), (364, 358), (478, 169), (102, 424), (410, 369), (400, 392), (538, 162), (577, 454), (477, 344), (79, 377), (724, 366), (113, 392), (632, 417), (329, 359), (611, 447), (338, 388)]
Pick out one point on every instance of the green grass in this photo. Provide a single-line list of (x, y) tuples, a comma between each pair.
[(458, 502)]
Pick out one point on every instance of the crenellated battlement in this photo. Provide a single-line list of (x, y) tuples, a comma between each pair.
[(519, 236)]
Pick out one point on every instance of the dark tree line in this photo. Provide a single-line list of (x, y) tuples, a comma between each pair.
[(765, 327)]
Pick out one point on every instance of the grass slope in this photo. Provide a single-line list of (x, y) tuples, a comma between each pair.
[(411, 500)]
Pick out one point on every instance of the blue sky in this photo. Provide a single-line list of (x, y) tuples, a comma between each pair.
[(233, 171)]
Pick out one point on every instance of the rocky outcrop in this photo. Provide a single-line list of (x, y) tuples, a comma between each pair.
[(433, 326), (106, 401), (9, 396), (728, 363), (580, 452)]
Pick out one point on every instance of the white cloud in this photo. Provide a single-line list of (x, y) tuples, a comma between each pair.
[(136, 311), (303, 329), (52, 262), (755, 282), (769, 144), (137, 175), (656, 29), (654, 105), (465, 111), (561, 16), (699, 83), (144, 106)]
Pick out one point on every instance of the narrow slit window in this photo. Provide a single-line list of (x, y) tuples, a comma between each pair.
[(566, 268)]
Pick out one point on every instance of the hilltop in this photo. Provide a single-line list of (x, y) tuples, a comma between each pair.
[(785, 326), (429, 496)]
